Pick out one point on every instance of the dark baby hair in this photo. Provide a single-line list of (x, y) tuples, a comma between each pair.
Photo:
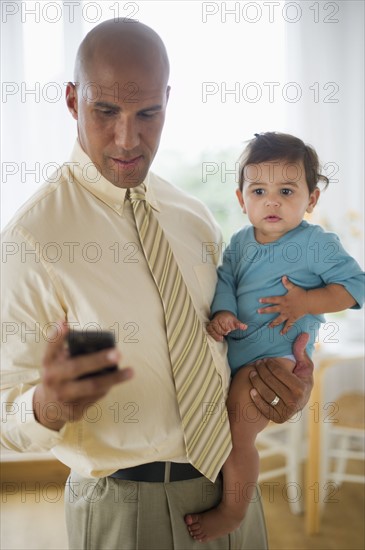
[(270, 146)]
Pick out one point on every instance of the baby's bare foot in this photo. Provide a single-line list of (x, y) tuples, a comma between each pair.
[(213, 524)]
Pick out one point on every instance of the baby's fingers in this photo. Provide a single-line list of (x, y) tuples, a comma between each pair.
[(271, 300), (269, 309), (238, 325), (279, 320), (288, 325), (213, 329)]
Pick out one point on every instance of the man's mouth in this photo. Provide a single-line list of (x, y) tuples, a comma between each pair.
[(124, 163)]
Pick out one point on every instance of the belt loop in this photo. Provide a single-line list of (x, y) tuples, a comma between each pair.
[(167, 472)]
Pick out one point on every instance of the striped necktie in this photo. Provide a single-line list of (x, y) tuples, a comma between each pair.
[(198, 386)]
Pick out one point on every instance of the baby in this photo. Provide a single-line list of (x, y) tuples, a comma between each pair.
[(282, 260)]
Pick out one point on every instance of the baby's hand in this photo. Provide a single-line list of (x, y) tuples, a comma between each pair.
[(222, 323), (291, 307)]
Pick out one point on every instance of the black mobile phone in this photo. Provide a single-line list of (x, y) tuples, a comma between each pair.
[(91, 341)]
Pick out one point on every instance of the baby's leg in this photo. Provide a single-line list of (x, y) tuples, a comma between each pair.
[(241, 469)]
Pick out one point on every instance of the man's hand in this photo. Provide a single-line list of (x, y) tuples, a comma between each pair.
[(269, 379), (290, 307), (222, 324), (61, 397)]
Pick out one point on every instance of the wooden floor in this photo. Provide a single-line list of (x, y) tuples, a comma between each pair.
[(32, 514)]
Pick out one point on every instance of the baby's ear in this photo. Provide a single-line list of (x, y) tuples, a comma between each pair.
[(240, 199), (313, 199)]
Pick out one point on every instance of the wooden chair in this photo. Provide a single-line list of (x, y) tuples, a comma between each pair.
[(336, 431), (286, 441)]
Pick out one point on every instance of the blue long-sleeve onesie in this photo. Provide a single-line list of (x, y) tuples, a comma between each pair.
[(309, 256)]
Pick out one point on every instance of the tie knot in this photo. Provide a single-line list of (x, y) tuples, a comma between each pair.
[(137, 193)]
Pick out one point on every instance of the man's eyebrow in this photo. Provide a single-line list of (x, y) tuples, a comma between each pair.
[(106, 105), (114, 107)]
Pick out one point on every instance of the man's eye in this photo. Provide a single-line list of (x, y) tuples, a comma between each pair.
[(286, 191), (107, 112), (148, 114)]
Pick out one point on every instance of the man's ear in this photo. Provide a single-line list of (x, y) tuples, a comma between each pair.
[(71, 99), (240, 200), (313, 199), (168, 90)]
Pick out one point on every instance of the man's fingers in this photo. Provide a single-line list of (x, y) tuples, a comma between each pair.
[(72, 398), (87, 364), (277, 392), (263, 394), (273, 374), (78, 396), (269, 411), (299, 350), (266, 383), (92, 388), (270, 379), (304, 365), (72, 368), (56, 343), (124, 374)]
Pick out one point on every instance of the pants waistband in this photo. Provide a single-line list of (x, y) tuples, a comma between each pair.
[(158, 472)]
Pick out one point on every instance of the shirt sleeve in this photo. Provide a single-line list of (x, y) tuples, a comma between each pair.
[(225, 293), (31, 306), (328, 259)]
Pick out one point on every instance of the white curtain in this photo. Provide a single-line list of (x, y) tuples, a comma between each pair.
[(314, 49), (325, 56), (37, 57)]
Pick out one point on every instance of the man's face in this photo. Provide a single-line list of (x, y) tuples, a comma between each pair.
[(120, 113)]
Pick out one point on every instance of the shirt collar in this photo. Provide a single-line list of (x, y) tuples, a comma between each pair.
[(86, 173)]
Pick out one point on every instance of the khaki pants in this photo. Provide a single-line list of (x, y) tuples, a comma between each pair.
[(112, 514)]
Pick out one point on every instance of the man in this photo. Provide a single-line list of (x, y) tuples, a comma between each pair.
[(76, 255)]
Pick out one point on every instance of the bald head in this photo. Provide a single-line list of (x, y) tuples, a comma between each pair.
[(119, 98), (121, 43)]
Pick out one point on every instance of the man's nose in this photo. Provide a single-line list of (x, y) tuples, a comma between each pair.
[(127, 134)]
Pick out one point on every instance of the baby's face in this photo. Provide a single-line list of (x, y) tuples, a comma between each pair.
[(275, 197)]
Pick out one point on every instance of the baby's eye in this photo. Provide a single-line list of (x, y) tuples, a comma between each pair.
[(286, 191), (258, 191)]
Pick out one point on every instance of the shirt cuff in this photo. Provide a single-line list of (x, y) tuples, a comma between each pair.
[(26, 433)]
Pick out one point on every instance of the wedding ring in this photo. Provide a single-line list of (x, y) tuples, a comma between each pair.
[(275, 401)]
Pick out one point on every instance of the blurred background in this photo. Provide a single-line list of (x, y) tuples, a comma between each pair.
[(237, 68)]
